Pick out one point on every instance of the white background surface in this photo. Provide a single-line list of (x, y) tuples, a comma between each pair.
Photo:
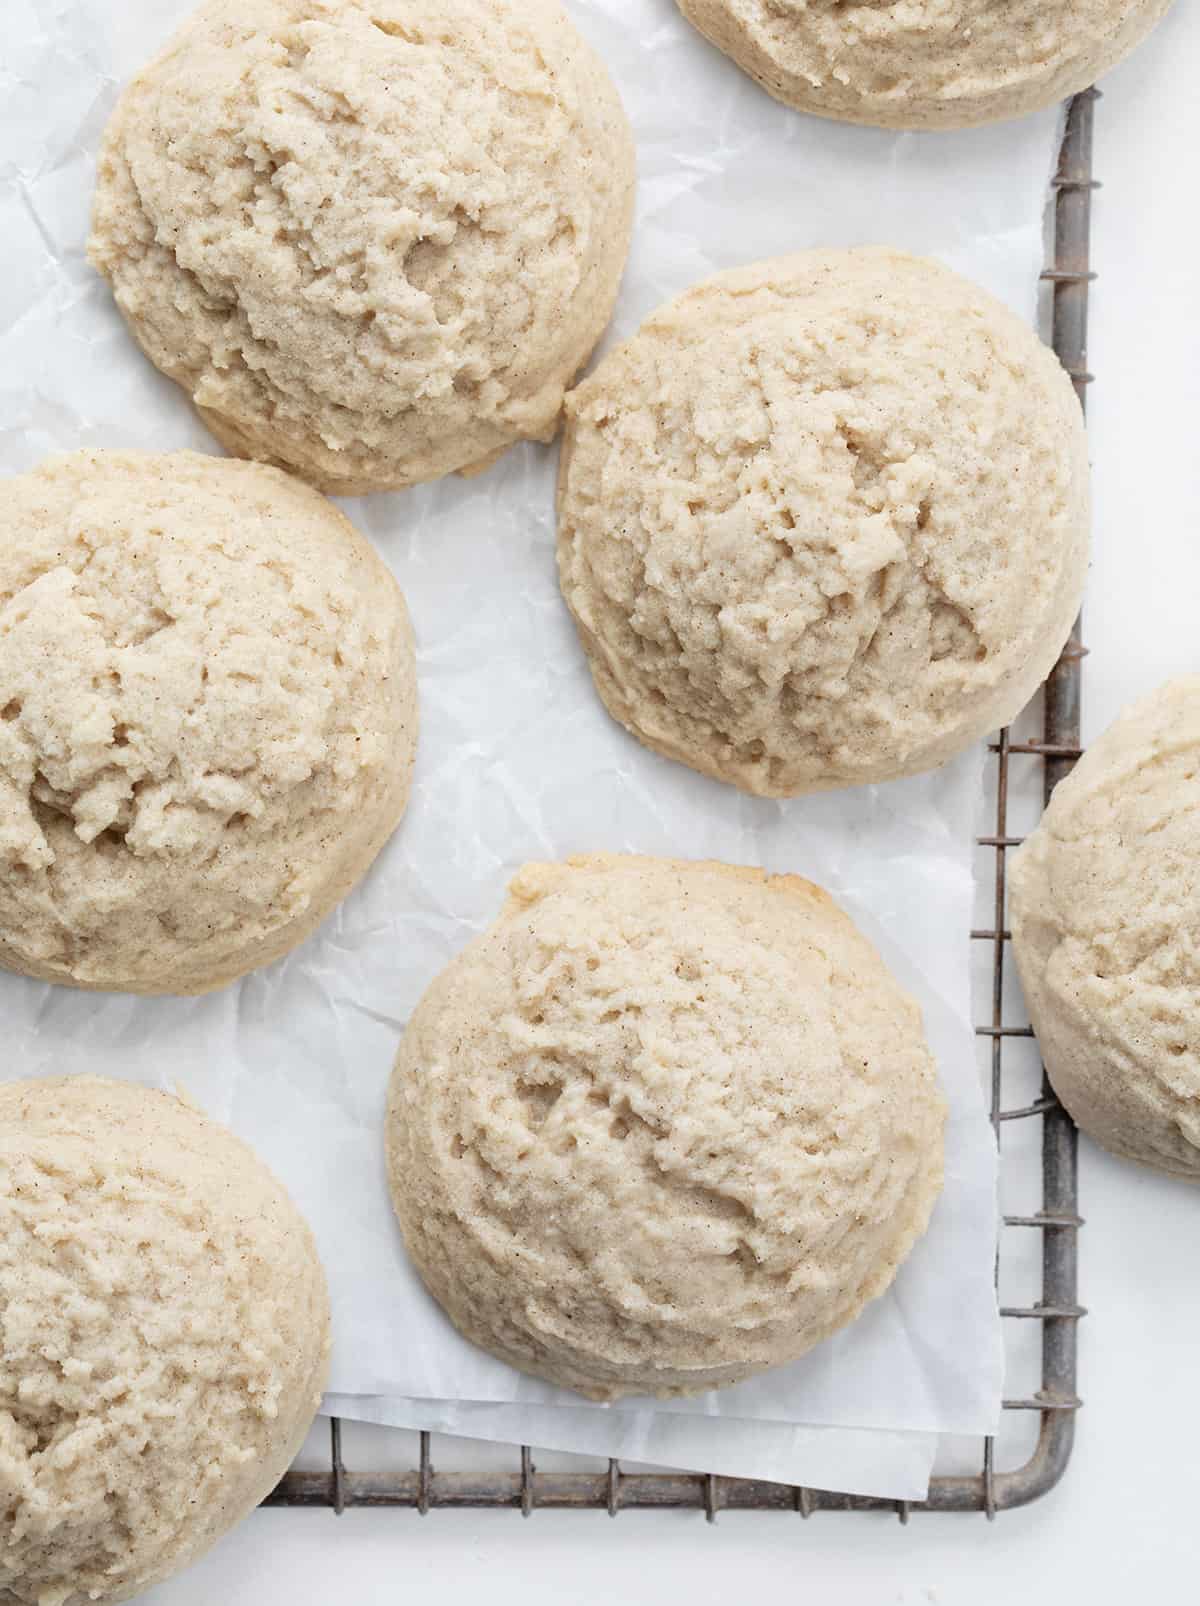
[(1124, 1521)]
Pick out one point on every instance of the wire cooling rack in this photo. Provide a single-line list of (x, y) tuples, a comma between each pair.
[(1057, 1310)]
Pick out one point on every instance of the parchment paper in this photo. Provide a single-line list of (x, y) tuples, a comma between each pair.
[(852, 1460), (518, 759)]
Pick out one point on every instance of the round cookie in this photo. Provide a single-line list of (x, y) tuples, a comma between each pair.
[(823, 520), (662, 1126), (207, 718), (924, 63), (1105, 913), (166, 1337), (374, 240)]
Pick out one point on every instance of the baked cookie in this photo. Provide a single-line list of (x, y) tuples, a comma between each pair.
[(823, 520), (207, 718), (664, 1125), (1105, 913), (374, 240), (924, 63), (166, 1337)]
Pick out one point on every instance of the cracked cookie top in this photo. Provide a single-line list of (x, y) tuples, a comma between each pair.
[(374, 240), (662, 1126), (166, 1337), (207, 717), (1105, 913), (924, 63), (823, 520)]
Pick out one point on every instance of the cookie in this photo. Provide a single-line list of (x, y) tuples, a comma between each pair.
[(207, 718), (373, 242), (166, 1337), (1104, 905), (663, 1126), (823, 520), (924, 63)]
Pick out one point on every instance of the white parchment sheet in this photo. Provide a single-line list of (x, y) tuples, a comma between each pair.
[(852, 1460), (519, 761)]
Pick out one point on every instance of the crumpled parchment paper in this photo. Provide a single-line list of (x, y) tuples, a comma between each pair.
[(519, 761)]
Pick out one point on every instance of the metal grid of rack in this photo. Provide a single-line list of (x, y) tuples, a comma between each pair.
[(1058, 1312)]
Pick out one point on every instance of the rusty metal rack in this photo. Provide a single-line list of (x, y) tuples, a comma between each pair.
[(991, 1489)]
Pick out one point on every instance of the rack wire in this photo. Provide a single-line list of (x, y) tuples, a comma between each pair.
[(1058, 1311)]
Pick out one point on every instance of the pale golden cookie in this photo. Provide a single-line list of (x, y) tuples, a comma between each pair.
[(374, 240), (166, 1338), (823, 520), (208, 718), (1105, 912), (924, 63), (662, 1126)]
